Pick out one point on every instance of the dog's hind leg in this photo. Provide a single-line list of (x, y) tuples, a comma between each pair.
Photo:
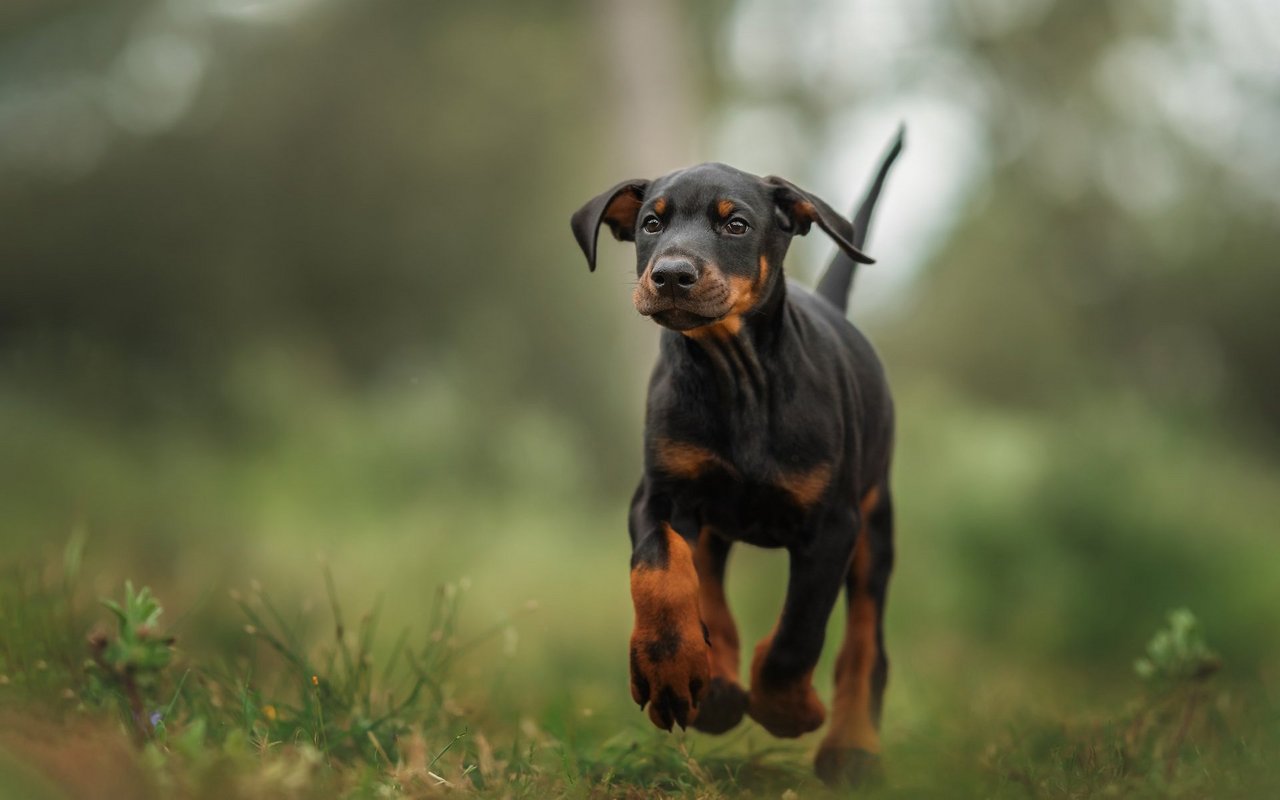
[(724, 701), (782, 698), (850, 752)]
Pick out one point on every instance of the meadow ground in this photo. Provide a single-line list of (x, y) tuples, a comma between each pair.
[(339, 630)]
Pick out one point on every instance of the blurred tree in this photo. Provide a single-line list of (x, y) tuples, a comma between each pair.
[(1111, 250), (380, 190)]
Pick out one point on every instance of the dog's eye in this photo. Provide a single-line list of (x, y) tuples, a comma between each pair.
[(652, 224), (736, 226)]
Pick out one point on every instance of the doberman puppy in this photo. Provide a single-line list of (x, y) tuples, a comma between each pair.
[(768, 422)]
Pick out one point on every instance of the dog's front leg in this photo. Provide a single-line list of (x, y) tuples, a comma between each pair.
[(724, 702), (782, 698), (670, 657)]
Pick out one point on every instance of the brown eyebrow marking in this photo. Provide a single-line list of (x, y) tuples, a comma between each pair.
[(660, 205), (724, 207)]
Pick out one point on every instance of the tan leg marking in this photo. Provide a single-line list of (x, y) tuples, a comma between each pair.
[(715, 613), (670, 661), (784, 711), (852, 725)]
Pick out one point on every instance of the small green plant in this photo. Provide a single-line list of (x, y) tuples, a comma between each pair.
[(132, 662), (1177, 654), (1176, 668)]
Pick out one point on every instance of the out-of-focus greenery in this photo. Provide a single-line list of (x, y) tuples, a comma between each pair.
[(291, 286), (1178, 653)]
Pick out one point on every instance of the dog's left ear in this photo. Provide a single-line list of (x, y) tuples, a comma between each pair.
[(799, 210), (618, 207)]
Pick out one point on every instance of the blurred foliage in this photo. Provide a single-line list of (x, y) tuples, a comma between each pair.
[(1110, 251), (371, 197)]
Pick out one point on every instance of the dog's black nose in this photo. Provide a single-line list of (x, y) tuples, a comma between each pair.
[(674, 276)]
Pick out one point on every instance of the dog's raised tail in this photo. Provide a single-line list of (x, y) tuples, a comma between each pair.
[(838, 279)]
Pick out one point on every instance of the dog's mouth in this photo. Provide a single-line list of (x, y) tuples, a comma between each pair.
[(708, 303), (680, 315), (679, 319)]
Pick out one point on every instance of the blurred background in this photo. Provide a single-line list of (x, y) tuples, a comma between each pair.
[(292, 281)]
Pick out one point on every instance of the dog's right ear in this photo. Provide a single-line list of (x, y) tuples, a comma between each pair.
[(618, 207)]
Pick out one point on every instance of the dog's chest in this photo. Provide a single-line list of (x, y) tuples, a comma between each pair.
[(789, 441), (755, 485), (753, 458)]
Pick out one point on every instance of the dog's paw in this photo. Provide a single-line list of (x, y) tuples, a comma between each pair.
[(787, 712), (847, 766), (723, 706), (670, 672)]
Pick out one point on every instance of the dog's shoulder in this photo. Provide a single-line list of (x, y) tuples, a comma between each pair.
[(827, 334)]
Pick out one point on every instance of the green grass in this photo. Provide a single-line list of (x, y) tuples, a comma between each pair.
[(1034, 565), (358, 714)]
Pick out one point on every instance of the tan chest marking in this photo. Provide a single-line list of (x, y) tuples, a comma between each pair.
[(687, 460), (806, 487)]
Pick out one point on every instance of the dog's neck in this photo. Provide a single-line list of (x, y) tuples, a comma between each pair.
[(738, 356)]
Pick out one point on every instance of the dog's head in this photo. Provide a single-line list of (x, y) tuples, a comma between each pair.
[(709, 240)]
